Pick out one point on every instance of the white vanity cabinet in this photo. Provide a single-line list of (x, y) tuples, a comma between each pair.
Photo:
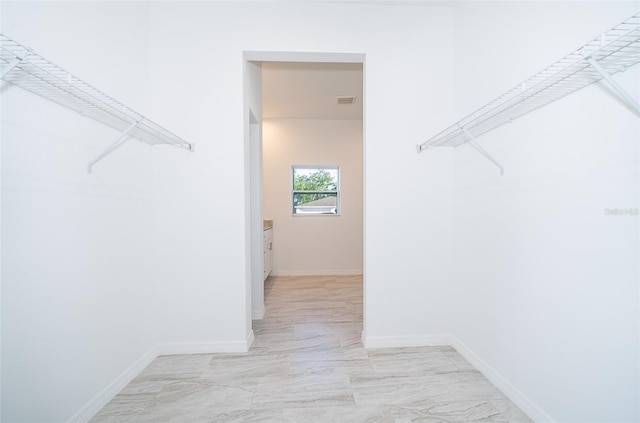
[(268, 251)]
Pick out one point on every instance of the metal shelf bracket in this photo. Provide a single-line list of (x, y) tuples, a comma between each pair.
[(21, 67), (118, 143), (614, 84), (474, 143), (614, 51), (5, 70)]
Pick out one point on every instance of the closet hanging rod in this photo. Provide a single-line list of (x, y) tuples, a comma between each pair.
[(612, 52), (22, 67)]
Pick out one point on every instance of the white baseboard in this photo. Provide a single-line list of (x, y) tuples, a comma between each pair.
[(258, 314), (96, 403), (352, 272), (406, 341), (203, 347), (249, 340), (523, 402)]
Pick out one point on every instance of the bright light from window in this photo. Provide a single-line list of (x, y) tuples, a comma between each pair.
[(316, 190)]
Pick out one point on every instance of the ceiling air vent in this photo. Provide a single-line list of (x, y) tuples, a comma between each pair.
[(346, 99)]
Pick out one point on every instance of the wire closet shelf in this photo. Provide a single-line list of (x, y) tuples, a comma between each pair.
[(22, 67), (614, 51)]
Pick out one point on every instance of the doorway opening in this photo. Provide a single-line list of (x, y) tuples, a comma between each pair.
[(303, 113)]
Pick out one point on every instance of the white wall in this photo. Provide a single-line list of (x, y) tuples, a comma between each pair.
[(152, 248), (77, 294), (254, 189), (197, 85), (546, 283), (1, 326), (314, 245)]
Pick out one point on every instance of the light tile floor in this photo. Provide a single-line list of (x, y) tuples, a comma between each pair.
[(308, 364)]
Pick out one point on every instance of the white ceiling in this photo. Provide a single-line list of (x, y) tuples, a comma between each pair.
[(309, 90)]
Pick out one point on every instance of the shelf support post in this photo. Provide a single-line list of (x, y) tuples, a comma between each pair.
[(474, 143), (15, 62), (118, 143), (607, 76)]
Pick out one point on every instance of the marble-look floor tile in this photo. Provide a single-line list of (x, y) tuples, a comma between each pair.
[(328, 367), (175, 367), (304, 391), (124, 406), (139, 386), (375, 388), (303, 383), (337, 414), (512, 413), (304, 399), (460, 363), (273, 415), (309, 344), (397, 360), (479, 389), (186, 400), (308, 364), (245, 371), (126, 418), (457, 411)]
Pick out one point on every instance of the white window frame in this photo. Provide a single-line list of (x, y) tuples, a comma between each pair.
[(336, 191)]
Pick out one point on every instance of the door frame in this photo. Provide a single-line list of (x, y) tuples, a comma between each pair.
[(254, 213)]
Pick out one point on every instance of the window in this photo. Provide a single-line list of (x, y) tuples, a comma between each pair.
[(316, 190)]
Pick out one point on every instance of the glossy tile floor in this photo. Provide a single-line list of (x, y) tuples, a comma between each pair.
[(307, 364)]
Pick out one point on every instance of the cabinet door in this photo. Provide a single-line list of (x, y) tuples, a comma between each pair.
[(267, 252), (270, 256), (265, 259)]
